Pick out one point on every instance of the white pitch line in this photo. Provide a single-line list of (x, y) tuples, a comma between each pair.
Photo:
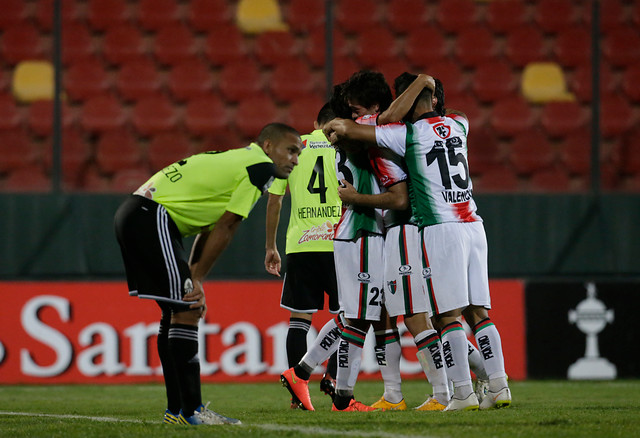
[(304, 430)]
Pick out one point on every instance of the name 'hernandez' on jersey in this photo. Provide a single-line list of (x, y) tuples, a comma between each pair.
[(435, 152)]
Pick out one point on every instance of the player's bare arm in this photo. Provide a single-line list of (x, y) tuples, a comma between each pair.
[(395, 198), (339, 130), (205, 251), (403, 103), (272, 260)]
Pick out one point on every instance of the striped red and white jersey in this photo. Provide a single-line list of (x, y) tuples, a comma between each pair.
[(435, 153)]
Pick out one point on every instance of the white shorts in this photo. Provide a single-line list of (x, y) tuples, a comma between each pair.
[(359, 271), (457, 274), (404, 282)]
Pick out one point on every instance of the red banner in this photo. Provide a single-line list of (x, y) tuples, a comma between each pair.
[(93, 332)]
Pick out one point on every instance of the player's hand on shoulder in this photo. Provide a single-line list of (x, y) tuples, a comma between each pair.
[(347, 192)]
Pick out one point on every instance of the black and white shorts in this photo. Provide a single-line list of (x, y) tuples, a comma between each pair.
[(155, 261), (309, 275)]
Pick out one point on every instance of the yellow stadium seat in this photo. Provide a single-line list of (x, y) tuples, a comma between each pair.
[(544, 82), (33, 80), (256, 16)]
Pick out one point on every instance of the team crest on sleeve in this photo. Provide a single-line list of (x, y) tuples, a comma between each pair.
[(442, 130)]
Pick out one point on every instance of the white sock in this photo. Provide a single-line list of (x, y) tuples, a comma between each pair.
[(490, 347), (388, 353), (432, 361), (454, 347), (325, 344), (476, 363), (349, 359)]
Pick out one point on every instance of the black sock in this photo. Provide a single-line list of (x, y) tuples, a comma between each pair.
[(332, 365), (301, 372), (183, 345), (297, 340), (342, 401), (169, 372)]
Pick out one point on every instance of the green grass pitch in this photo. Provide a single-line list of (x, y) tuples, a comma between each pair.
[(540, 408)]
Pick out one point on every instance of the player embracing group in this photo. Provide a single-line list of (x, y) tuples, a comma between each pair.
[(408, 243)]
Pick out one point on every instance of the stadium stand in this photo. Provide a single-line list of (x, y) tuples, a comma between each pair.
[(530, 152), (554, 15), (493, 81), (204, 15), (205, 115), (77, 44), (423, 48), (356, 16), (76, 153), (117, 150), (374, 47), (33, 80), (240, 80), (304, 17), (544, 82), (85, 80), (153, 115), (512, 116), (138, 79), (123, 43), (562, 118), (11, 115), (40, 117), (189, 80), (255, 16), (102, 113), (104, 14), (16, 150), (290, 81), (166, 148), (174, 44), (454, 15), (273, 48), (23, 42), (406, 16), (504, 16), (27, 179), (572, 47), (253, 113), (153, 15), (475, 45), (72, 12), (525, 45), (225, 44)]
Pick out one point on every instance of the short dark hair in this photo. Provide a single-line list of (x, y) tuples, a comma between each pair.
[(326, 114), (402, 82), (275, 131), (338, 102), (368, 88), (439, 94)]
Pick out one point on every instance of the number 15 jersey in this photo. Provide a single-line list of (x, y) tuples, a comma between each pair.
[(435, 152)]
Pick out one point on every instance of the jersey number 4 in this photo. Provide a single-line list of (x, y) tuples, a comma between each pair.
[(318, 175)]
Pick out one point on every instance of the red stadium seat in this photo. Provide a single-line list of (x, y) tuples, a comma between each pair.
[(16, 150), (512, 116), (630, 153), (102, 113), (572, 47), (497, 180), (138, 79), (93, 181), (167, 148), (206, 115), (575, 152), (552, 16), (616, 116), (475, 45), (392, 69), (117, 150), (27, 179), (128, 180), (315, 48), (40, 117), (273, 48), (424, 47), (223, 140), (104, 14), (225, 45), (493, 81), (239, 80), (530, 152), (343, 68), (291, 80), (454, 16), (374, 47), (22, 42), (404, 16), (621, 46), (582, 80), (86, 79), (74, 158), (451, 75), (469, 105), (303, 112), (356, 16), (550, 180), (190, 80), (504, 16), (14, 12), (123, 43), (525, 45), (253, 113), (305, 17), (204, 15), (483, 150), (71, 12), (153, 115), (562, 118), (630, 81), (154, 15), (174, 44), (77, 44), (11, 116)]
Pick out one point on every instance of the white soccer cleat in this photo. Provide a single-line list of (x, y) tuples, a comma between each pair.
[(467, 404), (481, 388), (496, 400), (204, 415)]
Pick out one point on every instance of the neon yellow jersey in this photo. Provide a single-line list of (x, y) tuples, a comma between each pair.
[(315, 204), (196, 191)]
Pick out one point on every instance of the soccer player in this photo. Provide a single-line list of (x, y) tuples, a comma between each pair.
[(315, 210), (206, 195), (404, 288), (452, 236)]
